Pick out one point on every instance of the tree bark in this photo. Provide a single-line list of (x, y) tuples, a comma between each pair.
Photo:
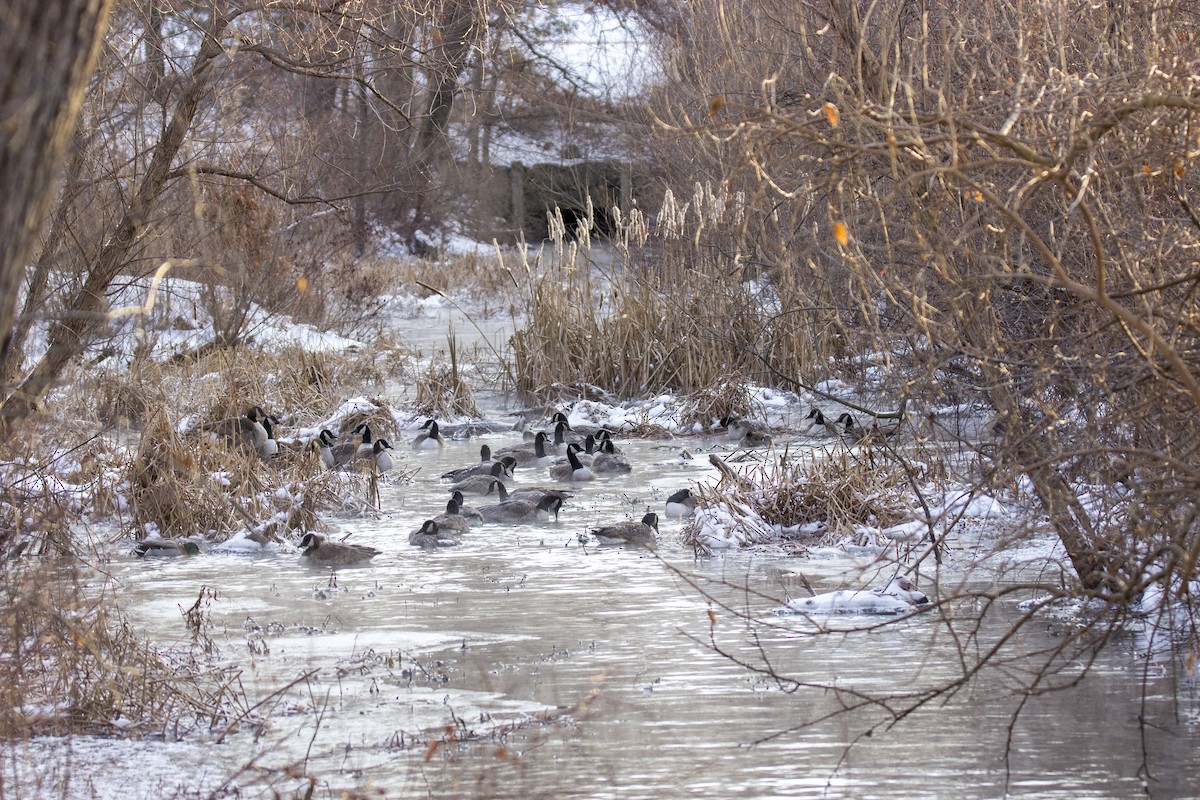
[(85, 309), (48, 49)]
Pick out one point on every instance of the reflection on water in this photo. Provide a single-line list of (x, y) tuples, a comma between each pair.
[(548, 666)]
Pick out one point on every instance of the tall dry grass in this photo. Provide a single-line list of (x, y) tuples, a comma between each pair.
[(73, 665), (684, 311)]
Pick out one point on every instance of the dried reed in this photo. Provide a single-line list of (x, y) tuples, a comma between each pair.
[(687, 315)]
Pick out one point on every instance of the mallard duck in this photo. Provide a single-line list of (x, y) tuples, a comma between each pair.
[(641, 534), (166, 547), (523, 510), (573, 470), (429, 536), (466, 511), (480, 484), (319, 551), (246, 431), (681, 504), (452, 521), (607, 460), (430, 438)]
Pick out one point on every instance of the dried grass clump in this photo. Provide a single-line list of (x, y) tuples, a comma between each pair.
[(840, 493), (178, 487), (126, 398), (689, 312), (378, 415), (724, 399), (441, 390), (72, 665)]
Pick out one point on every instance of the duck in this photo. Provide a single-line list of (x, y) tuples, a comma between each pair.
[(358, 446), (166, 547), (483, 468), (319, 551), (480, 484), (607, 460), (640, 534), (466, 511), (429, 535), (430, 438), (523, 510), (452, 521), (323, 445), (573, 470), (246, 431), (681, 504), (531, 454)]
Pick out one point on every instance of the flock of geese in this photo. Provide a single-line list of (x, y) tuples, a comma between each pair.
[(568, 455)]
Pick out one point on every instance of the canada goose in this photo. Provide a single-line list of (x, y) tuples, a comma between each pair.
[(323, 444), (485, 461), (605, 435), (319, 551), (480, 484), (466, 511), (483, 468), (582, 429), (429, 535), (531, 454), (559, 445), (607, 460), (681, 504), (629, 532), (270, 447), (166, 547), (746, 432), (380, 456), (359, 445), (246, 431), (532, 494), (819, 426), (430, 438), (853, 434), (572, 470), (452, 521), (523, 510)]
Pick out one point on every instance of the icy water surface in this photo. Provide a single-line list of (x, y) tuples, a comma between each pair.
[(541, 666)]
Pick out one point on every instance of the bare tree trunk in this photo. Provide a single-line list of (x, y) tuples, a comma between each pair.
[(459, 30), (47, 51), (84, 309)]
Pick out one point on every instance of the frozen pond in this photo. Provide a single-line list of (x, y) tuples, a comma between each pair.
[(551, 667)]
